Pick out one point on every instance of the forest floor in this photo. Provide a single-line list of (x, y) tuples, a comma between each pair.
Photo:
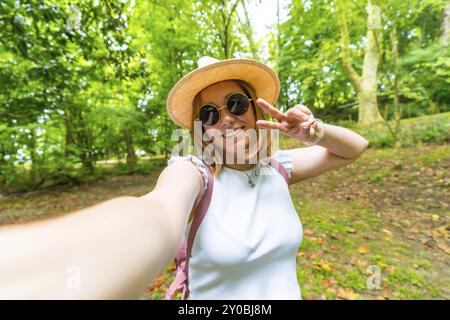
[(386, 214)]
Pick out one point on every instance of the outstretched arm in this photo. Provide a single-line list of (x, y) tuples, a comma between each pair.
[(108, 251)]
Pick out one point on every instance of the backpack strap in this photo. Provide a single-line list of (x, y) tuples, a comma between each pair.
[(280, 168), (181, 281), (200, 213)]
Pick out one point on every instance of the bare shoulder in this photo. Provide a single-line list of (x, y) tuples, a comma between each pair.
[(180, 173), (178, 188), (312, 161)]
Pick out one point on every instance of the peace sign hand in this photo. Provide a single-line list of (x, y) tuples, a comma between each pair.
[(295, 122)]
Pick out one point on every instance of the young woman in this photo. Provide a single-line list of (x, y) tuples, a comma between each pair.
[(246, 245)]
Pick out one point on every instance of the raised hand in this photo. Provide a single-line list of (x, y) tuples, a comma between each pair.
[(297, 122)]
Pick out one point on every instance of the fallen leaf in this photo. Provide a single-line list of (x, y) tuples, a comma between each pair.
[(362, 263), (324, 265), (435, 217), (391, 269), (406, 223), (334, 248), (363, 250), (327, 282), (312, 296), (345, 294), (387, 293), (173, 266), (158, 282)]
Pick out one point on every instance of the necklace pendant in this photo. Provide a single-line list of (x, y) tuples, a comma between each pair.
[(251, 183)]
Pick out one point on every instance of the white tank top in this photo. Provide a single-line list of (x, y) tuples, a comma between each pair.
[(247, 244)]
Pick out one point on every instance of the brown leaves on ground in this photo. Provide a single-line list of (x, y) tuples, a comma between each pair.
[(442, 237), (324, 265), (346, 294), (363, 250), (157, 283)]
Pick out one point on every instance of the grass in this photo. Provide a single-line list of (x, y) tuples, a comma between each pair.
[(363, 231)]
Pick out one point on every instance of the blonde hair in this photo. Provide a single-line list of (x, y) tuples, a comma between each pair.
[(259, 115)]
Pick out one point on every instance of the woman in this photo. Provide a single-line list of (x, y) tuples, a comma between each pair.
[(246, 245)]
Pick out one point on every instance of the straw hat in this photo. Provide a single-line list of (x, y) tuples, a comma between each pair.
[(263, 79)]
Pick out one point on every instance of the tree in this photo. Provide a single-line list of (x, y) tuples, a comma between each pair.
[(248, 31), (445, 27), (366, 84)]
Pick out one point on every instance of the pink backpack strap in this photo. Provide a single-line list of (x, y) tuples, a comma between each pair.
[(181, 281), (280, 168)]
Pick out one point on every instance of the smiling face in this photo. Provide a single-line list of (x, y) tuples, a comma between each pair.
[(230, 128)]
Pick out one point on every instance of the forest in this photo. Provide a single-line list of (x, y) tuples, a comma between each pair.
[(83, 89)]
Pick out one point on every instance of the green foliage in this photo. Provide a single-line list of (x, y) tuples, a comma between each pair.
[(86, 81), (311, 71), (431, 129)]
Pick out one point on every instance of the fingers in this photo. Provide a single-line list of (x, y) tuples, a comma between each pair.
[(297, 114), (274, 112), (303, 108), (270, 125)]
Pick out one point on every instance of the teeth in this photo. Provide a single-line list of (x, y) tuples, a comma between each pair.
[(232, 133)]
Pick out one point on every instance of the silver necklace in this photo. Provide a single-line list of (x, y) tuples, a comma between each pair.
[(251, 177)]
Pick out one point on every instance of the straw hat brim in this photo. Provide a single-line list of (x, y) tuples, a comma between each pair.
[(262, 78)]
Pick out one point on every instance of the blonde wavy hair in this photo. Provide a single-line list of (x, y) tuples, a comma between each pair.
[(259, 115)]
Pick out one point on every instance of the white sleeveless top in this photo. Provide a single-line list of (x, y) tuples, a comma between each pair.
[(247, 244)]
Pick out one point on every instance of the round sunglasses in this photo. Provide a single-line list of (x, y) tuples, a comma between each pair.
[(237, 104)]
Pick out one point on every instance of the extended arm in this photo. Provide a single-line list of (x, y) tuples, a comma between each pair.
[(111, 250)]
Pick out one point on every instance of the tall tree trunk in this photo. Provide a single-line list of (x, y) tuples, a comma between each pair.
[(33, 155), (395, 130), (69, 134), (129, 144), (78, 138), (445, 27), (365, 85), (278, 56), (225, 34), (249, 32), (84, 139)]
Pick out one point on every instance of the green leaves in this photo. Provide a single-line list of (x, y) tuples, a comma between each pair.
[(91, 74)]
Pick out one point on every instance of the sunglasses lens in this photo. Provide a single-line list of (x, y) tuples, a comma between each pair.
[(209, 115), (238, 104)]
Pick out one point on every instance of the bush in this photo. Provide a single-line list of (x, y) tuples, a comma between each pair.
[(414, 131)]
